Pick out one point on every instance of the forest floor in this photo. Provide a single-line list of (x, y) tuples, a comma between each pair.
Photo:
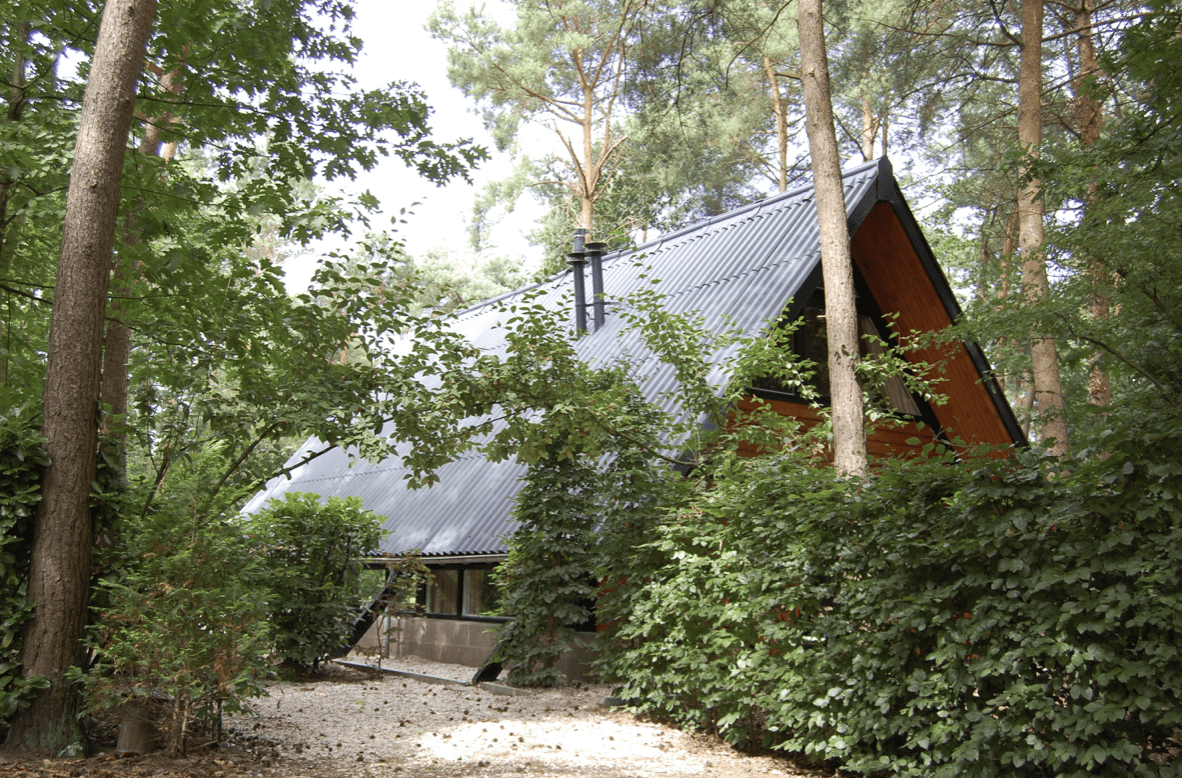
[(370, 724)]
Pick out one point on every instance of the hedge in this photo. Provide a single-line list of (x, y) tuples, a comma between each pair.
[(976, 618)]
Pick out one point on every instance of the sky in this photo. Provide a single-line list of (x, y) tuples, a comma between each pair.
[(397, 48)]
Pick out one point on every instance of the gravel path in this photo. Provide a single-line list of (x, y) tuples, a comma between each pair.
[(372, 725)]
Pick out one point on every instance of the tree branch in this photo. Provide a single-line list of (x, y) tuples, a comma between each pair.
[(1116, 353)]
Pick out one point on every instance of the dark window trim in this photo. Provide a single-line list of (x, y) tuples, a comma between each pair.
[(458, 605), (482, 619), (866, 306)]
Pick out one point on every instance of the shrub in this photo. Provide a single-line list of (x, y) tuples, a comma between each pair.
[(577, 519), (181, 619), (22, 460), (984, 618), (312, 557)]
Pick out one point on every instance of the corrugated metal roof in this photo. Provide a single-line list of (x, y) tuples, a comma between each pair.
[(742, 266)]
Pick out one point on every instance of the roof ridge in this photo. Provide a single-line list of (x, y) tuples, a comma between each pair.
[(770, 200), (880, 164)]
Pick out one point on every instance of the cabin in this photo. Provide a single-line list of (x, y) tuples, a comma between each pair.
[(751, 267)]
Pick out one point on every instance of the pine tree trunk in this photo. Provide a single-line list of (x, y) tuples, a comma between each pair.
[(841, 320), (18, 37), (117, 343), (780, 109), (588, 173), (869, 130), (1089, 115), (1005, 268), (59, 573), (1048, 390)]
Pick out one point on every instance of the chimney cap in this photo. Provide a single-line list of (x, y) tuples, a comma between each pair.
[(596, 248)]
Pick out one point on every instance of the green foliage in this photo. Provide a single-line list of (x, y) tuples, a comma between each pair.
[(404, 575), (1121, 239), (220, 350), (548, 576), (311, 555), (603, 461), (22, 460), (436, 281), (589, 441), (561, 66), (181, 618), (941, 618), (579, 518)]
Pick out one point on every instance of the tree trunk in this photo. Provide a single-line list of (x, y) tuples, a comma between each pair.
[(1005, 268), (841, 320), (1089, 115), (59, 573), (19, 36), (589, 170), (780, 109), (1048, 390), (117, 343), (869, 130)]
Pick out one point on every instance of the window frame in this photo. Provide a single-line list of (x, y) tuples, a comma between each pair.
[(866, 306), (457, 600)]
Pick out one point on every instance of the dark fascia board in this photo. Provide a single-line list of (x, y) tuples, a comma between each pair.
[(860, 210), (888, 191)]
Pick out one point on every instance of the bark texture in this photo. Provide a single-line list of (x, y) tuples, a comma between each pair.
[(16, 102), (869, 130), (1089, 115), (60, 569), (117, 344), (780, 109), (841, 320), (1044, 355)]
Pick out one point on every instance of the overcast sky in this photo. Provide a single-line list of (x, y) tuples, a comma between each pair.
[(397, 48)]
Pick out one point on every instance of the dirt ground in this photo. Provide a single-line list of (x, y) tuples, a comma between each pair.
[(351, 722)]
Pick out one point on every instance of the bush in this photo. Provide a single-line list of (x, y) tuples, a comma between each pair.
[(985, 618), (22, 460), (181, 620), (577, 519), (312, 558)]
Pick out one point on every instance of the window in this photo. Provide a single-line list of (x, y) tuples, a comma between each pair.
[(481, 596), (893, 395), (443, 587), (461, 591), (810, 342)]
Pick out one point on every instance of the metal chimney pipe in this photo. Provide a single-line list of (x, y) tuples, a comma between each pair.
[(596, 251), (577, 259), (579, 240)]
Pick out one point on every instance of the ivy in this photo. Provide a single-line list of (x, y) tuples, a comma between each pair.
[(548, 574)]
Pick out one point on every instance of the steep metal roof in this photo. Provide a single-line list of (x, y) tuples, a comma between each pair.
[(739, 268)]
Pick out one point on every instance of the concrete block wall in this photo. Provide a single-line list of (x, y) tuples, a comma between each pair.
[(458, 642)]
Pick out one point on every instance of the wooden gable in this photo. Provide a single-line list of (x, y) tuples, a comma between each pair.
[(895, 269), (902, 283)]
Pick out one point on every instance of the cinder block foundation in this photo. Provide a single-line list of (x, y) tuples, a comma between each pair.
[(458, 642)]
